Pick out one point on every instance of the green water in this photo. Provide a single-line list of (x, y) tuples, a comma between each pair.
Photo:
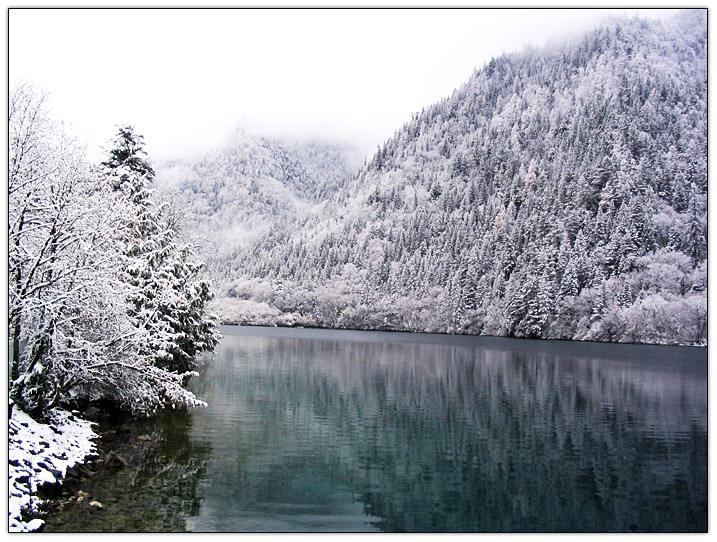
[(316, 430)]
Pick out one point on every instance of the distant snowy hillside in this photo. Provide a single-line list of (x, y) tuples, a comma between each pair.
[(560, 193), (238, 193)]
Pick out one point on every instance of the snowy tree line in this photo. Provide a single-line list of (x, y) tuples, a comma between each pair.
[(242, 189), (106, 301), (560, 193)]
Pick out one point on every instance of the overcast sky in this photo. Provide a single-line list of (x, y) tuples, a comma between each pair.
[(187, 78)]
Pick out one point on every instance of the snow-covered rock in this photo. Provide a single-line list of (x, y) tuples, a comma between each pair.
[(42, 454)]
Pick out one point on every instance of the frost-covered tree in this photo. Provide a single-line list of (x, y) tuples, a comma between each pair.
[(71, 334), (169, 297), (695, 243)]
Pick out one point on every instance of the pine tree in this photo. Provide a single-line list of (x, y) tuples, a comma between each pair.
[(569, 285), (695, 245), (167, 300), (600, 300), (127, 167), (624, 298)]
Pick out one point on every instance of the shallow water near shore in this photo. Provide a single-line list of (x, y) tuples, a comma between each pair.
[(321, 430)]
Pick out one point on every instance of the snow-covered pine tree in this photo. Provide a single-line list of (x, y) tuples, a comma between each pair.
[(168, 297), (696, 243)]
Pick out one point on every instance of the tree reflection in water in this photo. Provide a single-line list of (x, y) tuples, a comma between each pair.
[(310, 430), (155, 492), (453, 437)]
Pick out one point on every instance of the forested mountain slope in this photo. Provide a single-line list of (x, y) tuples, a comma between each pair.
[(560, 193), (239, 192)]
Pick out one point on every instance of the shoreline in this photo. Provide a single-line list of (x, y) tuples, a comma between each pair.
[(101, 442), (41, 458), (232, 322), (109, 495)]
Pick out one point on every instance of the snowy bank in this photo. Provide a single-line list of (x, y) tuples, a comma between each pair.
[(42, 454), (257, 313)]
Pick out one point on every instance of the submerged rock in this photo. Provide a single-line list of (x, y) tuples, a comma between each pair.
[(115, 461), (95, 506)]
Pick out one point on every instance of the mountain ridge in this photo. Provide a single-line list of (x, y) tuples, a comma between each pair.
[(559, 193)]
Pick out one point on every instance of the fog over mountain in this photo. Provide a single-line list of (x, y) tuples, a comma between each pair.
[(239, 193), (559, 193)]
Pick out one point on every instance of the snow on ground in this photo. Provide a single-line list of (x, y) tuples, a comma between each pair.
[(42, 453)]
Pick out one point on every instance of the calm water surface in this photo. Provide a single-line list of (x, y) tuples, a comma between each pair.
[(316, 430)]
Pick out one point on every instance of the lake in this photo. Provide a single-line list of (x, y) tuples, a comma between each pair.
[(323, 430)]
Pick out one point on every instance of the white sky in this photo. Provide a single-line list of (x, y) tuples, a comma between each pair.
[(187, 78)]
